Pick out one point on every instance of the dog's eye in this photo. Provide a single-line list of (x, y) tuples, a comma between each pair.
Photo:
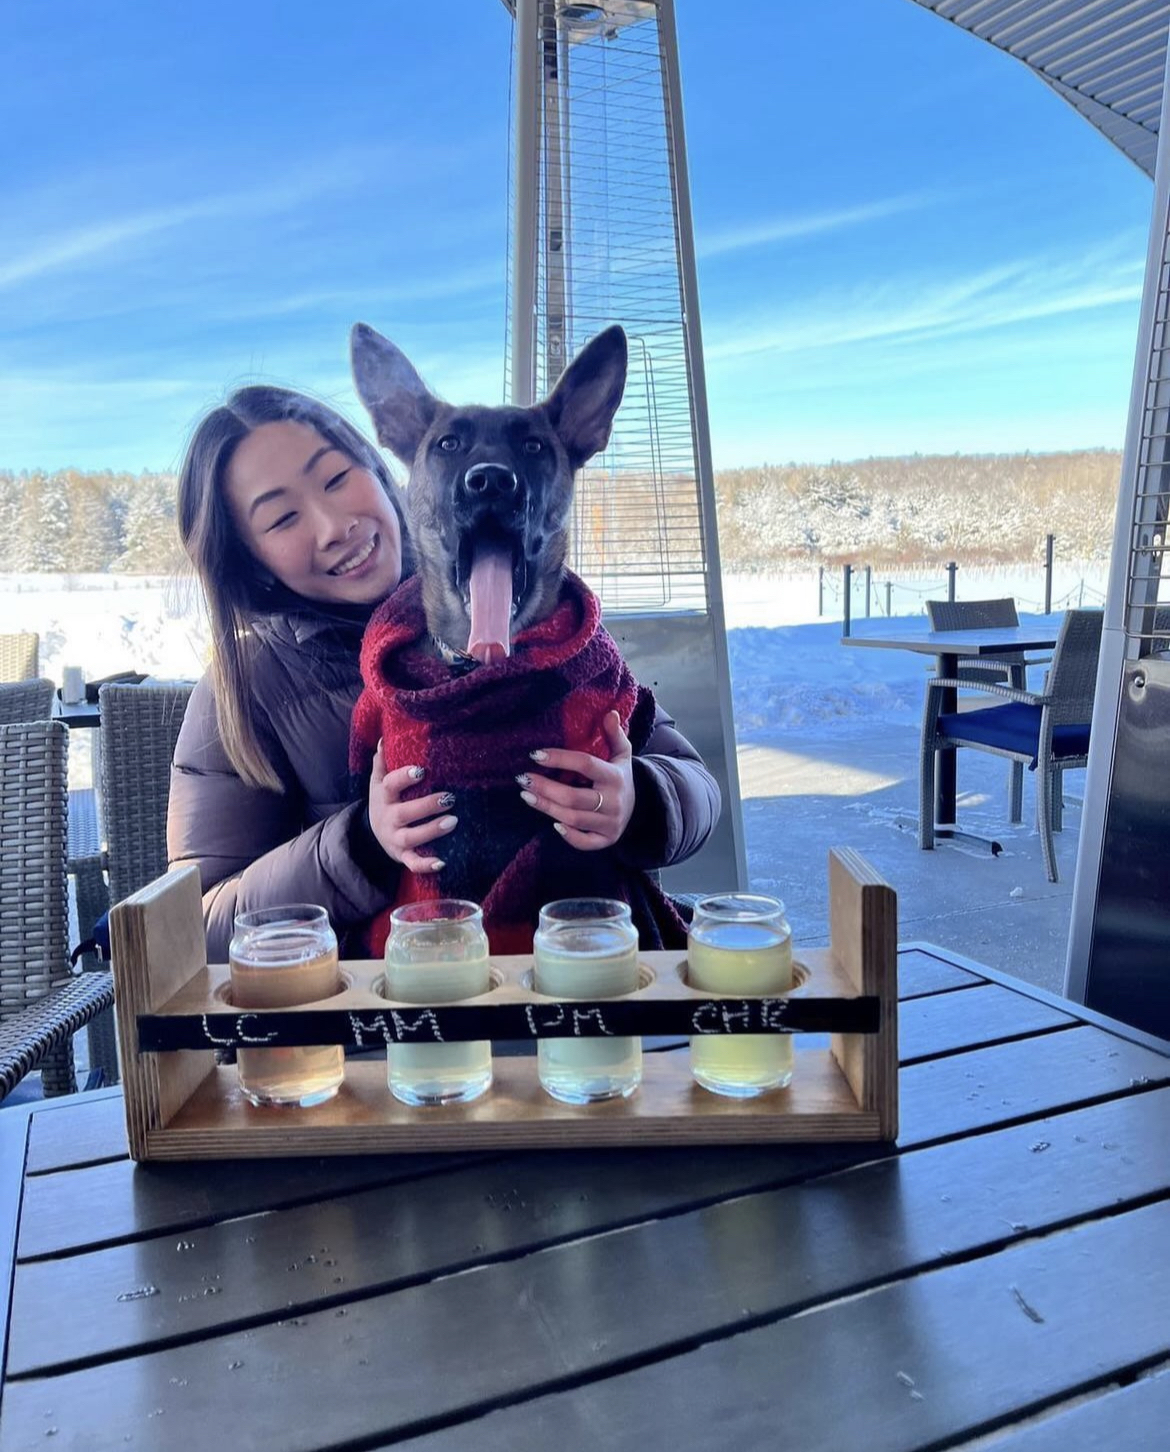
[(449, 443), (533, 446)]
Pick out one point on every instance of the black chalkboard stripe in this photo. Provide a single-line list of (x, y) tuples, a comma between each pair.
[(460, 1023)]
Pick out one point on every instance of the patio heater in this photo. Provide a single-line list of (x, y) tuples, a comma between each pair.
[(600, 222), (1119, 945)]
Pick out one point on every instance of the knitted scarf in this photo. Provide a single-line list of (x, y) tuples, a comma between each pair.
[(473, 733)]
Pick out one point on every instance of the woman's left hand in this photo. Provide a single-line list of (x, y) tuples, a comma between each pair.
[(594, 816)]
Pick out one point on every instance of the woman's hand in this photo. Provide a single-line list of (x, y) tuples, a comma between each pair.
[(591, 817), (400, 826)]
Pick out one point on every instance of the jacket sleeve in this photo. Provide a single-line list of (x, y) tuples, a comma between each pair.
[(676, 800), (250, 844)]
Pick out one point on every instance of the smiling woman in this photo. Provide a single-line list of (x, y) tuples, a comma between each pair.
[(294, 527)]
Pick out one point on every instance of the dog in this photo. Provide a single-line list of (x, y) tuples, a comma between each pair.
[(495, 648)]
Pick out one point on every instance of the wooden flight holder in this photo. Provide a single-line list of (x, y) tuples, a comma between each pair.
[(181, 1103)]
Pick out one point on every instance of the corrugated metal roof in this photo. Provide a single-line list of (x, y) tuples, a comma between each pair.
[(1106, 58)]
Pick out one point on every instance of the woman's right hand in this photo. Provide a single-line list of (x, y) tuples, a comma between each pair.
[(402, 827)]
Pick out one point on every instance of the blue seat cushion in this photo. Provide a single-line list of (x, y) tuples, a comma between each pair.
[(1014, 727)]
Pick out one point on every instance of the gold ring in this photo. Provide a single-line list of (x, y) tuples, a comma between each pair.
[(600, 802)]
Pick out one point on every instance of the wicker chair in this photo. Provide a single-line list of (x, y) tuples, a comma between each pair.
[(20, 656), (1047, 730), (29, 700), (1011, 668), (139, 728), (41, 1005)]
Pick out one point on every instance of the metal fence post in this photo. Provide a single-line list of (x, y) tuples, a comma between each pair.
[(1049, 541), (868, 587), (847, 592), (889, 591), (951, 568), (820, 590)]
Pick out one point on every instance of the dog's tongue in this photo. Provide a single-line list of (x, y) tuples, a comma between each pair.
[(491, 604)]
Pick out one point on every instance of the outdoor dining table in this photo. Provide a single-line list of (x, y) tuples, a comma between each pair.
[(948, 647), (1003, 1267)]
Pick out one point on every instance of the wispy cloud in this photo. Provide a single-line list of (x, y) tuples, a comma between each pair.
[(789, 228), (914, 310)]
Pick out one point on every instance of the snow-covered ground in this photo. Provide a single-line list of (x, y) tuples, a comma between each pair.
[(827, 740)]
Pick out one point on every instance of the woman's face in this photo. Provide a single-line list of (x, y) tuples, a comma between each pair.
[(318, 521)]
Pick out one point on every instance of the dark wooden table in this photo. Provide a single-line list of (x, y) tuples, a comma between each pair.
[(1005, 1268), (947, 647)]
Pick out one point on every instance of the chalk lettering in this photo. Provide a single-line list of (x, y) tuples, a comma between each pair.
[(774, 1011), (550, 1018), (741, 1015), (211, 1038), (409, 1025), (581, 1016), (705, 1019), (247, 1038), (376, 1026)]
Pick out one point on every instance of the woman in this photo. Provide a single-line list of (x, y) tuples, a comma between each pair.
[(295, 529)]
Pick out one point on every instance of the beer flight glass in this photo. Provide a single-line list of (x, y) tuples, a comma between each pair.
[(437, 952), (740, 943), (280, 957), (587, 948)]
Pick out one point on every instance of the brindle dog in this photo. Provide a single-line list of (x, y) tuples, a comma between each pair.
[(490, 488)]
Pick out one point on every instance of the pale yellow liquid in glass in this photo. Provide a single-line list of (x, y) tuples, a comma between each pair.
[(439, 1073), (741, 958), (583, 962), (291, 1075)]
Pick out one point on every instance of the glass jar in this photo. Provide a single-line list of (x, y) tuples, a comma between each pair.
[(587, 948), (437, 952), (739, 943), (280, 957)]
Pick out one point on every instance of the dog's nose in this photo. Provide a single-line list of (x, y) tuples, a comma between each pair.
[(490, 481)]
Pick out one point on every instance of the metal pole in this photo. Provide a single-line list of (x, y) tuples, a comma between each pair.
[(868, 587), (1048, 543), (526, 170), (693, 335), (820, 590), (951, 568), (847, 595), (889, 592)]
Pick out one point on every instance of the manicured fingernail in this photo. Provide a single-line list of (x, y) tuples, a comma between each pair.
[(378, 748), (524, 779), (416, 773), (447, 823), (539, 755), (559, 827), (434, 864), (447, 799), (529, 798)]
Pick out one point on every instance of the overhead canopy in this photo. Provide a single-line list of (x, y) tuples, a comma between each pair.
[(1106, 58)]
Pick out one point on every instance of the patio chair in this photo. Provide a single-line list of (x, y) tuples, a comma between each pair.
[(1010, 668), (36, 1022), (1046, 730), (25, 700), (20, 656)]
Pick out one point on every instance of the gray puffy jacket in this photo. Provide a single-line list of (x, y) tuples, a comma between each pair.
[(312, 842)]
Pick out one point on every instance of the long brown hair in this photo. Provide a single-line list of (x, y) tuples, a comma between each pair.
[(236, 586)]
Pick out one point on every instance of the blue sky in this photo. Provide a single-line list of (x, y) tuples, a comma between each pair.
[(906, 242)]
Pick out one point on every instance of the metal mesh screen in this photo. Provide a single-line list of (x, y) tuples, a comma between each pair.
[(1147, 585), (607, 252)]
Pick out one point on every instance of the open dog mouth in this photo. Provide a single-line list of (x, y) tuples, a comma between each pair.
[(491, 577)]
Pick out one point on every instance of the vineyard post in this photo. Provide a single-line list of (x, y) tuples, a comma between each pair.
[(847, 593)]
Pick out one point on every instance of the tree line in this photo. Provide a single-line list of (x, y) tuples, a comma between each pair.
[(909, 510)]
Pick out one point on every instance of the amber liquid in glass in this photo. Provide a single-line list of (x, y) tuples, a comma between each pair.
[(287, 1075)]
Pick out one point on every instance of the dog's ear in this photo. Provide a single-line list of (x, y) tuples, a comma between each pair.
[(582, 405), (399, 402)]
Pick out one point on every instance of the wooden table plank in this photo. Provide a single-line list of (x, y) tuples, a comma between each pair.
[(601, 1302), (923, 1361), (1133, 1418), (987, 1014), (920, 972), (83, 1130)]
